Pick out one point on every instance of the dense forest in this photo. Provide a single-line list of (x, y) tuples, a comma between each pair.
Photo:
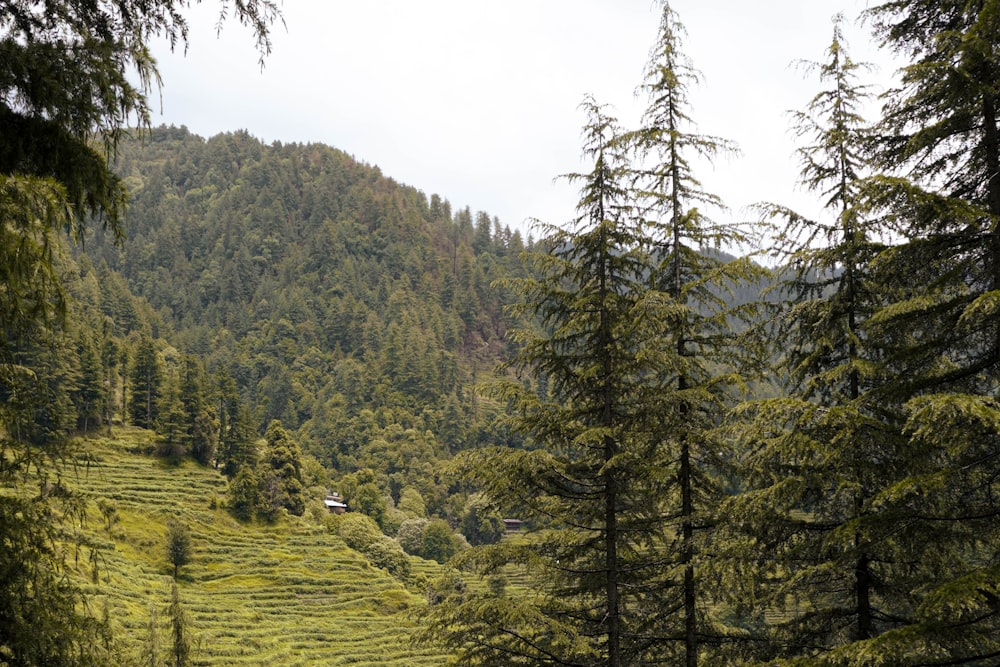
[(714, 463)]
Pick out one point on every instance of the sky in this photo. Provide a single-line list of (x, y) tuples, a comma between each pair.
[(479, 100)]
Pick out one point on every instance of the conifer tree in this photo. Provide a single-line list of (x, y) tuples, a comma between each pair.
[(89, 396), (284, 465), (817, 456), (72, 76), (938, 143), (180, 630), (199, 426), (635, 351), (146, 384), (700, 364), (580, 478)]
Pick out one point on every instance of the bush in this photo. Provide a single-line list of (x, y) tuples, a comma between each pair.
[(439, 541), (411, 536), (386, 553), (358, 530)]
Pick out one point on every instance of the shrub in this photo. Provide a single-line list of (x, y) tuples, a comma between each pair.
[(386, 553), (358, 530), (411, 535)]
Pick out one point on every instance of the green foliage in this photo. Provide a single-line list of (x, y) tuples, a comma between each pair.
[(626, 323), (180, 630), (816, 457), (362, 534), (284, 464), (146, 384), (481, 523), (386, 553), (438, 541), (178, 545), (109, 510), (41, 619), (358, 530), (369, 500), (412, 503), (244, 494), (410, 536)]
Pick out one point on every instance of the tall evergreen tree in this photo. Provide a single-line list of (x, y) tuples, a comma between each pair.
[(699, 369), (817, 456), (199, 420), (90, 394), (146, 384), (282, 475), (71, 75), (584, 478), (939, 146), (636, 353)]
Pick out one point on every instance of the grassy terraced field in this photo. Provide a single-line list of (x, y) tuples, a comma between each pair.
[(287, 594)]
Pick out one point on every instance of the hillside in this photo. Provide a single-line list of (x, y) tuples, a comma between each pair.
[(358, 311), (290, 593)]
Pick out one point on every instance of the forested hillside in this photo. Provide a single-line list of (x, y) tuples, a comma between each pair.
[(356, 310)]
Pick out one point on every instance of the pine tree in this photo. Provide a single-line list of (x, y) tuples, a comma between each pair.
[(178, 545), (284, 463), (817, 457), (938, 143), (589, 282), (180, 630), (70, 77), (699, 366), (199, 427), (89, 396), (146, 384)]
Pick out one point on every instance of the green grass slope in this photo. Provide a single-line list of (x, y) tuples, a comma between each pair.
[(287, 594)]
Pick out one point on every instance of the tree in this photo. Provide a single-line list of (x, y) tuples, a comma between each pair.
[(699, 354), (816, 457), (438, 541), (180, 652), (284, 463), (369, 499), (199, 420), (588, 283), (69, 74), (178, 545), (109, 510), (146, 384), (481, 523), (939, 147), (238, 450), (151, 649), (89, 396)]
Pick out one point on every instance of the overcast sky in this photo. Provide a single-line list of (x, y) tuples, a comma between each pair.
[(478, 100)]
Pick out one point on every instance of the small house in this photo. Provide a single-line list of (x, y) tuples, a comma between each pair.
[(512, 526), (334, 503)]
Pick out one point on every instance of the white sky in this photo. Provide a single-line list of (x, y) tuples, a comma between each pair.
[(478, 100)]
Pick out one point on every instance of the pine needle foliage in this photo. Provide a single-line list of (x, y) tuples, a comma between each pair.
[(829, 568), (938, 144), (73, 76), (625, 321)]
